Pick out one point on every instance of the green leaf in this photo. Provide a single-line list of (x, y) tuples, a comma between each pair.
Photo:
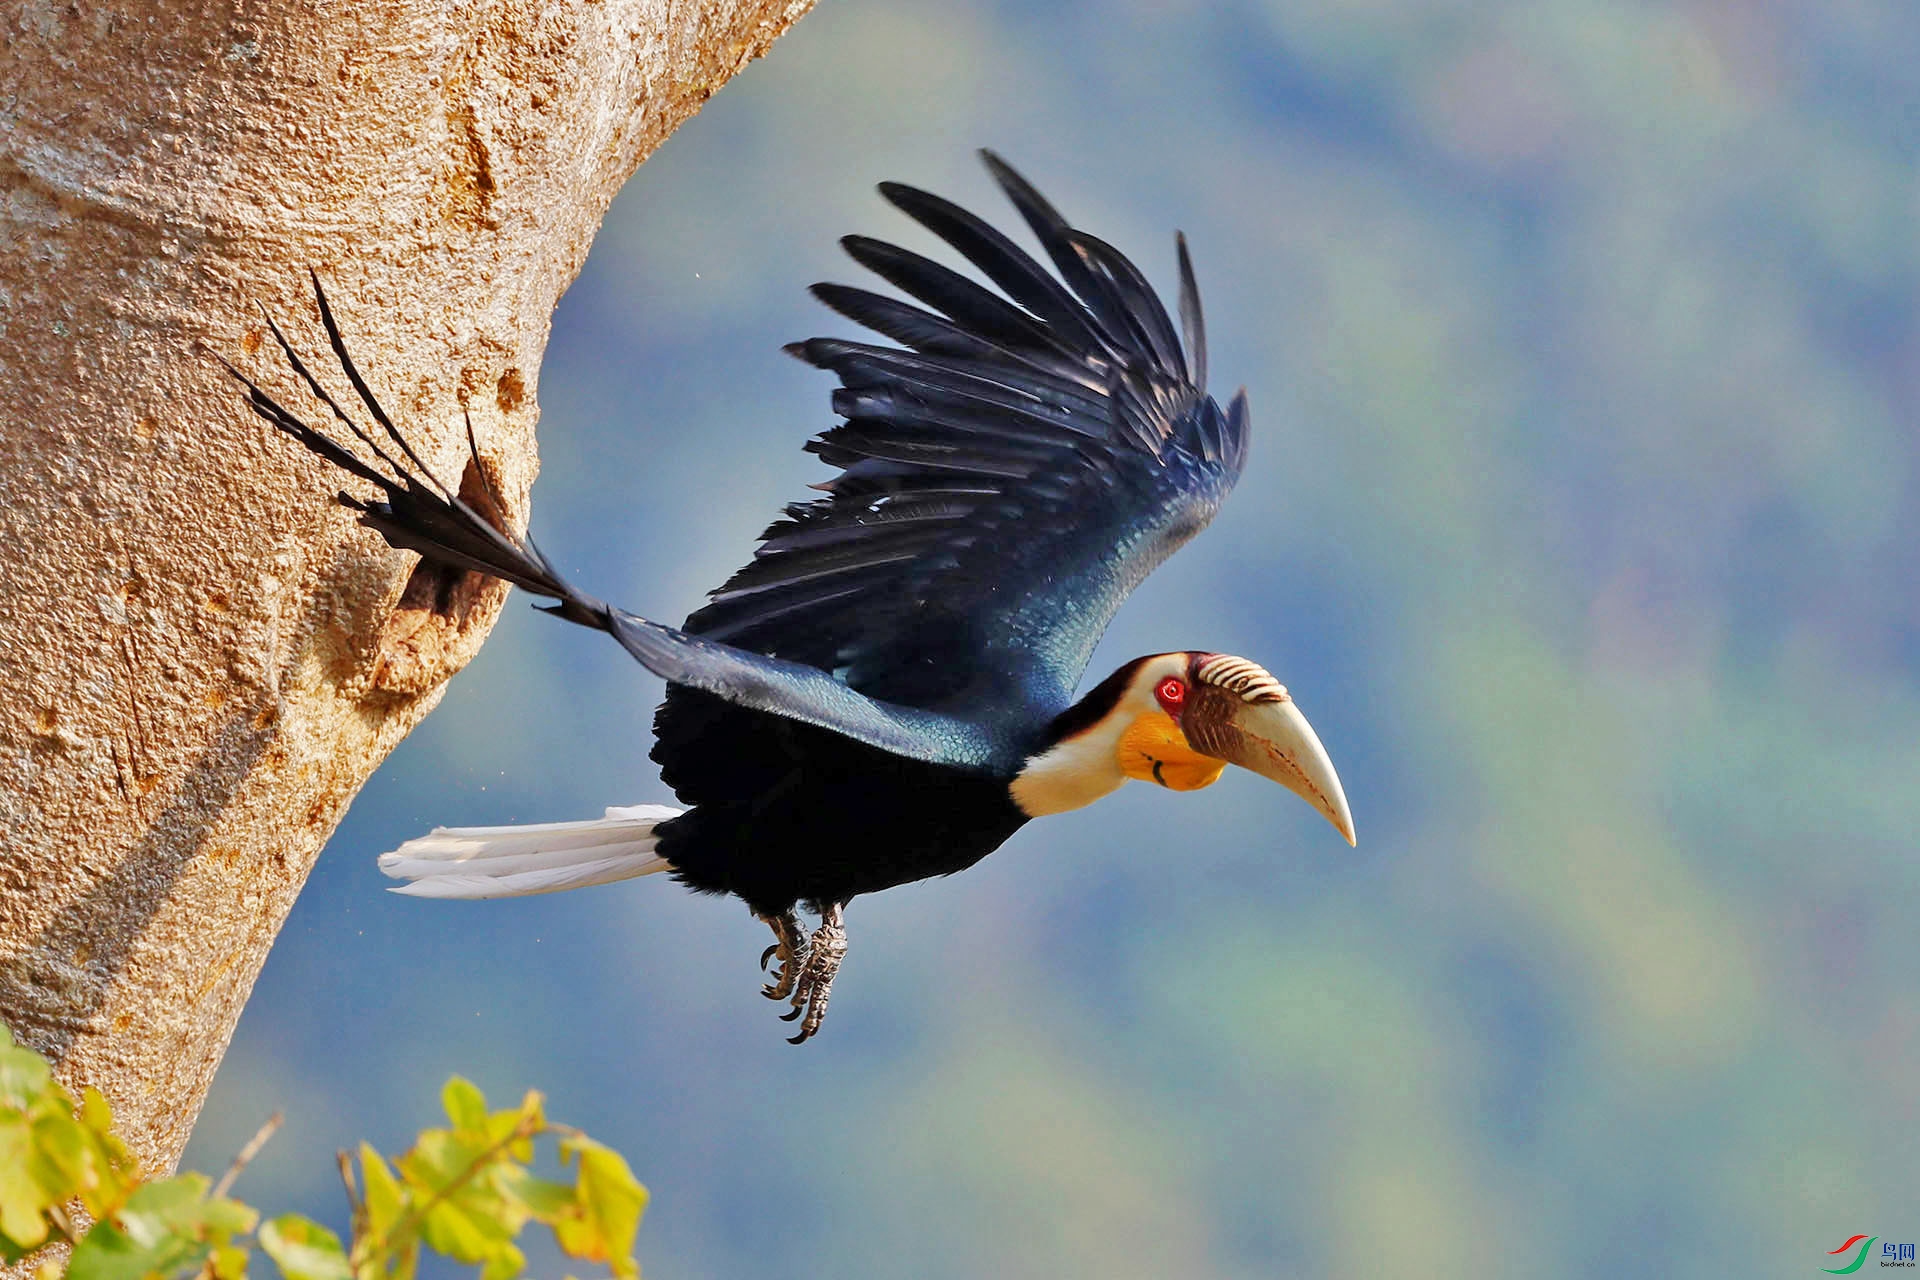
[(529, 1119), (386, 1200), (399, 1263), (380, 1248), (95, 1113), (166, 1227), (542, 1200), (111, 1172), (224, 1217), (24, 1077), (465, 1233), (455, 1173), (23, 1200), (229, 1262), (304, 1250), (611, 1201), (506, 1263), (69, 1152), (466, 1193), (466, 1106), (441, 1157), (108, 1253)]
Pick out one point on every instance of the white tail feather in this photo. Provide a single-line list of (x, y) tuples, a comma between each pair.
[(546, 857)]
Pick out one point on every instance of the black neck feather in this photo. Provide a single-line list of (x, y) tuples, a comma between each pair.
[(1096, 706)]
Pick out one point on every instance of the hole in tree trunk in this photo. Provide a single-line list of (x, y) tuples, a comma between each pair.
[(440, 589), (443, 612)]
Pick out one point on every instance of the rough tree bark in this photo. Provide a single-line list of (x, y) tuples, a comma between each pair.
[(200, 663)]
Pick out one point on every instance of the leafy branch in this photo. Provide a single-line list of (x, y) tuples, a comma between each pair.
[(465, 1192)]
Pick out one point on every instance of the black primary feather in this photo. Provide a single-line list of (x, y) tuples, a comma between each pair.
[(1050, 440)]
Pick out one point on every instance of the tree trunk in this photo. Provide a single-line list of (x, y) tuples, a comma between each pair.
[(201, 658)]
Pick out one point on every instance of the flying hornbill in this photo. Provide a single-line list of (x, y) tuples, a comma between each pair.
[(885, 693)]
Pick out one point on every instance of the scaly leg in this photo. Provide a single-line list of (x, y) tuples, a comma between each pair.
[(790, 946), (824, 953)]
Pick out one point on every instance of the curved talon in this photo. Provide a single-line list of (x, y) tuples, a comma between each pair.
[(807, 967), (783, 981), (782, 985), (790, 945)]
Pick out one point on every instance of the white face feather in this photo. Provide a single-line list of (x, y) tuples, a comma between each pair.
[(1079, 770)]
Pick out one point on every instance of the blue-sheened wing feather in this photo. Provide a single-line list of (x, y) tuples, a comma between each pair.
[(1007, 476)]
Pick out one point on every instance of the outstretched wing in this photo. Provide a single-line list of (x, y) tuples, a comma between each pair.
[(1009, 473)]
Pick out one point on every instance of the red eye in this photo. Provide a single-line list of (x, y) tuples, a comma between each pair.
[(1172, 692)]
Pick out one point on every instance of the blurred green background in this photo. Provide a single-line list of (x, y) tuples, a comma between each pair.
[(1584, 358)]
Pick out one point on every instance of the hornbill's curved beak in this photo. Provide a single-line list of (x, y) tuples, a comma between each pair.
[(1273, 739)]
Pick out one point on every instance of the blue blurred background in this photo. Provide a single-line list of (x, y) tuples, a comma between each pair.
[(1583, 348)]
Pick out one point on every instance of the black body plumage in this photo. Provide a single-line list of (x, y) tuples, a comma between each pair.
[(847, 711)]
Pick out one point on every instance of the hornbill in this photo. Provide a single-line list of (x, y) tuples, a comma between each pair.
[(885, 693)]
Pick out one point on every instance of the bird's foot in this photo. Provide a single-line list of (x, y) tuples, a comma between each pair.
[(815, 982), (790, 948)]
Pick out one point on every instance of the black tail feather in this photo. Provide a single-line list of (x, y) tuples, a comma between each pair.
[(419, 513), (320, 393), (366, 396)]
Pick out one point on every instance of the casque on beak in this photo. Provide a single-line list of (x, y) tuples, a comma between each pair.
[(1269, 736)]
